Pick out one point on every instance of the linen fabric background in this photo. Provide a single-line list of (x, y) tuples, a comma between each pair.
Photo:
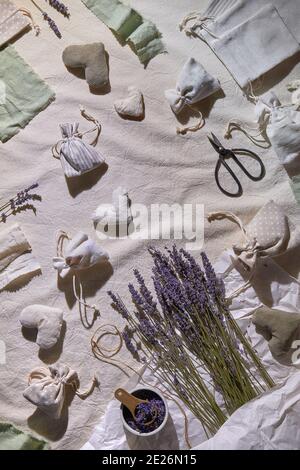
[(149, 159)]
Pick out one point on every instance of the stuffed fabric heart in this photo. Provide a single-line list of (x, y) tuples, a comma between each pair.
[(90, 57), (47, 320), (280, 329), (193, 85), (131, 107), (81, 253)]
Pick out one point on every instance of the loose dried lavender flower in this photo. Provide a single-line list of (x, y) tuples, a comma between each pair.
[(59, 6), (145, 413)]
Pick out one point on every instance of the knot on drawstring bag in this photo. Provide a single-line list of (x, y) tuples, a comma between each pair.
[(199, 22)]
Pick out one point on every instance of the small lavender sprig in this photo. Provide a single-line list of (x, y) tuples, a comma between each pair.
[(49, 20), (52, 24), (17, 202), (60, 7)]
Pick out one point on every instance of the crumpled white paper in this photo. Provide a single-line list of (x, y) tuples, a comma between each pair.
[(268, 422)]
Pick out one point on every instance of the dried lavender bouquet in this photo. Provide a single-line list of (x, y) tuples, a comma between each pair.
[(189, 338)]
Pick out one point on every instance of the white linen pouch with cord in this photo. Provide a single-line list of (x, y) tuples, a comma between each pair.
[(193, 85), (283, 131), (249, 37), (77, 157), (47, 388), (81, 253)]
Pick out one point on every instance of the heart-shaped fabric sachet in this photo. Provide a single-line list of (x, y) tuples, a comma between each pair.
[(132, 106), (47, 320), (280, 329), (91, 58)]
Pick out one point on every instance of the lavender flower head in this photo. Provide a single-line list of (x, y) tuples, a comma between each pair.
[(60, 7), (52, 24)]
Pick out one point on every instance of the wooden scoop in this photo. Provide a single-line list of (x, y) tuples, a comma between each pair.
[(131, 403)]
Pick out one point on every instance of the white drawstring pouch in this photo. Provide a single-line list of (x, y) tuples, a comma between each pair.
[(283, 131), (280, 123), (81, 253), (47, 388), (194, 84), (249, 37)]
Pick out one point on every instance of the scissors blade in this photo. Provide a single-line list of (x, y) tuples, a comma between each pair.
[(215, 146), (216, 140)]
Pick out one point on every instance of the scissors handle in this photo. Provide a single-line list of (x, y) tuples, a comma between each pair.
[(221, 161), (255, 157)]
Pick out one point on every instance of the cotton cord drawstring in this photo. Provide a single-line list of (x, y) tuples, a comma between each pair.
[(237, 124), (197, 127), (234, 218), (199, 22), (107, 355), (97, 127), (79, 297)]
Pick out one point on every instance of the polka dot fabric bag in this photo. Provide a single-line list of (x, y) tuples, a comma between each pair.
[(267, 235), (13, 20)]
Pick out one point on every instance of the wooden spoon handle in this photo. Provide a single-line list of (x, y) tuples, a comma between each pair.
[(127, 400)]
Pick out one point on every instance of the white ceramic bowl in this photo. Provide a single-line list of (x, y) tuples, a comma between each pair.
[(145, 434)]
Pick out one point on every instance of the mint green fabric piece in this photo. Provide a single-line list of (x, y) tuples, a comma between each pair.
[(129, 26), (23, 93), (295, 184), (13, 439)]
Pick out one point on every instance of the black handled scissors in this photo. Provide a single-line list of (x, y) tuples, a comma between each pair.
[(225, 154)]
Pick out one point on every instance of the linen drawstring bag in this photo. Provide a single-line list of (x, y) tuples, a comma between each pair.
[(194, 84), (16, 259), (47, 388), (77, 157), (249, 37), (80, 253), (267, 235), (280, 124), (13, 21), (23, 93), (129, 27)]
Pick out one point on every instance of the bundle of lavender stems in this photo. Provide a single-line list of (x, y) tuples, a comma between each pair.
[(189, 339)]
